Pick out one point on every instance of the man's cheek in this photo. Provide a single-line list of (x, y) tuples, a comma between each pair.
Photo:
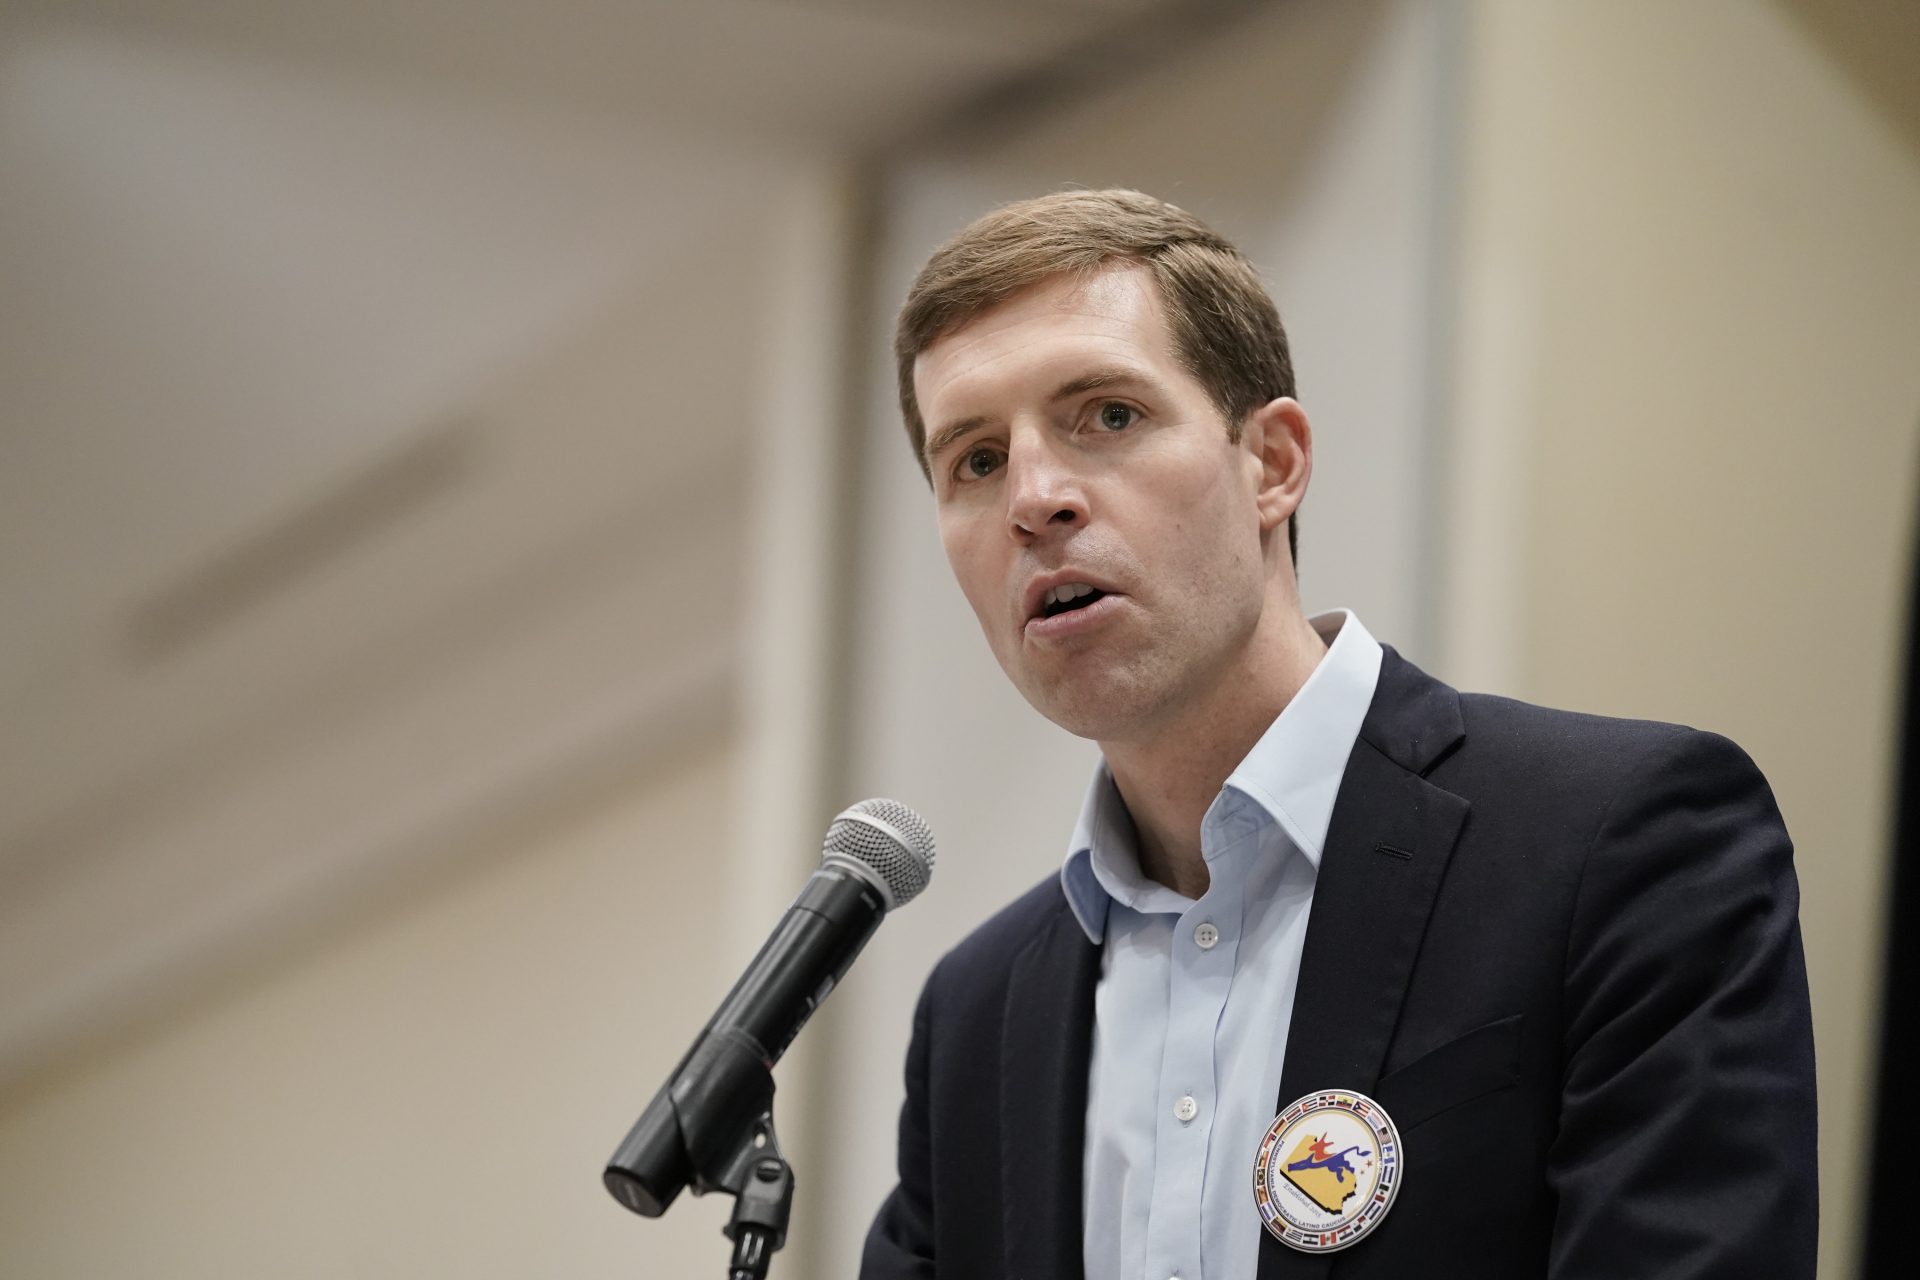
[(978, 580)]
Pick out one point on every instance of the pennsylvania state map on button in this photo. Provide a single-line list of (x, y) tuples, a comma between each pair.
[(1328, 1171)]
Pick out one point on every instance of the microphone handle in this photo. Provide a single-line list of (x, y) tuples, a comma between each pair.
[(818, 939), (695, 1125)]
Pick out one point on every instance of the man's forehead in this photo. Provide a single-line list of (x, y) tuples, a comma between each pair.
[(1119, 299), (1119, 290)]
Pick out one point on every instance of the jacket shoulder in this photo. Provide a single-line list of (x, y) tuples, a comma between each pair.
[(1432, 729), (1521, 739), (988, 952), (1525, 727), (1551, 783)]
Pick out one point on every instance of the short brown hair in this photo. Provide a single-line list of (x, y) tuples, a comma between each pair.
[(1225, 328)]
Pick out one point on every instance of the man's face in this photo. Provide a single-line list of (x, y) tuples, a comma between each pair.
[(1072, 455)]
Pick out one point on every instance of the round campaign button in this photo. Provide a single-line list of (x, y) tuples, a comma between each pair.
[(1327, 1171)]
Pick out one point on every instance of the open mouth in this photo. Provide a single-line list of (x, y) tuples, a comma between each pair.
[(1067, 598)]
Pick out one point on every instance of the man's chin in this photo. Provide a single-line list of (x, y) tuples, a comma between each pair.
[(1099, 711)]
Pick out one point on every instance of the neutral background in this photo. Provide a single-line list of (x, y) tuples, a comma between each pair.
[(459, 547)]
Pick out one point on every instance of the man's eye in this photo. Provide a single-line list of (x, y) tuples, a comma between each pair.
[(1117, 417), (979, 462)]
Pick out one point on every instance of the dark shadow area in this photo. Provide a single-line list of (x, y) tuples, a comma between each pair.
[(1887, 1248)]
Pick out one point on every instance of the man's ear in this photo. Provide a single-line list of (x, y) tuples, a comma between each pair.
[(1281, 441)]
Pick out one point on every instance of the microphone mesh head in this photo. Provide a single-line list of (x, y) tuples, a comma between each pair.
[(892, 840)]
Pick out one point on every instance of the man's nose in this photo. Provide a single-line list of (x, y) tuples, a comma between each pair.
[(1045, 493)]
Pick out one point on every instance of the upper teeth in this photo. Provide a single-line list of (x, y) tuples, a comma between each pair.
[(1062, 594)]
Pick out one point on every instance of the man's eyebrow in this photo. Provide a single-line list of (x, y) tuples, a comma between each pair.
[(1065, 391), (948, 434), (1097, 379)]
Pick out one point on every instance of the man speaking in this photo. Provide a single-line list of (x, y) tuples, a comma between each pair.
[(1346, 972)]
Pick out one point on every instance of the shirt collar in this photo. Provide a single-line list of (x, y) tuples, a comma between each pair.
[(1291, 775)]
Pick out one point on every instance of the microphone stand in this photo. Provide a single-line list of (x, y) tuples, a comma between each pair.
[(761, 1183), (686, 1138)]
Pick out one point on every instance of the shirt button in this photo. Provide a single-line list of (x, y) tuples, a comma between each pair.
[(1186, 1109), (1205, 936)]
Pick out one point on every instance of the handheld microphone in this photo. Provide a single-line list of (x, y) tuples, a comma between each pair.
[(878, 855)]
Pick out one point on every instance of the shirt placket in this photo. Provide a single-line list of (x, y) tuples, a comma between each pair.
[(1204, 944)]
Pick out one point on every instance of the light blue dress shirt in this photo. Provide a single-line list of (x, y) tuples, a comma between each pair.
[(1194, 1002)]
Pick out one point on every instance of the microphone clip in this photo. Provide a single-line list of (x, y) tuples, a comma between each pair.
[(761, 1182)]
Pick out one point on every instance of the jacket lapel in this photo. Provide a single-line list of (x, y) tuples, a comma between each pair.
[(1044, 1055), (1388, 843)]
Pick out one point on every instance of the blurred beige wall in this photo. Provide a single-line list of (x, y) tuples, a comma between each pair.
[(1688, 410), (336, 936), (430, 1094)]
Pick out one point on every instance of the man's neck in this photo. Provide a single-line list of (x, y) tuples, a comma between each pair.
[(1169, 779)]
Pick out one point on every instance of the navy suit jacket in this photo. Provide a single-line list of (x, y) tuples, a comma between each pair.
[(1562, 951)]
